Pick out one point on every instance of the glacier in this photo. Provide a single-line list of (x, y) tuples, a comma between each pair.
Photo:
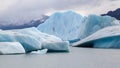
[(108, 37), (65, 25), (73, 27), (11, 48)]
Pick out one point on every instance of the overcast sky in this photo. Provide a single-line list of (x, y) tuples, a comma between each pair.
[(25, 10)]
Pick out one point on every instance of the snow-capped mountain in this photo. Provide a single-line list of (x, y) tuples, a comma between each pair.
[(32, 23), (38, 21)]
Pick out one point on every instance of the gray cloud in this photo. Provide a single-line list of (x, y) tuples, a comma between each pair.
[(18, 11)]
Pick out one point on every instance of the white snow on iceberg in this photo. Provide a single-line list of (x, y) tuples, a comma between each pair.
[(108, 37), (11, 48)]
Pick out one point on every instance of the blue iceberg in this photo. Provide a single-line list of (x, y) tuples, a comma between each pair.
[(108, 37), (73, 27), (57, 46), (11, 48), (32, 40), (28, 42), (111, 42), (94, 23), (65, 25), (50, 42)]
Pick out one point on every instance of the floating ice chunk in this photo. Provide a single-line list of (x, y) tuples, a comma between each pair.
[(94, 23), (65, 25), (108, 37), (111, 42), (50, 42), (57, 46), (11, 48), (73, 27), (29, 43), (34, 32), (43, 51)]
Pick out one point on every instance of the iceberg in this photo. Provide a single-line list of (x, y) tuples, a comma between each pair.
[(50, 42), (28, 42), (43, 51), (65, 25), (94, 23), (11, 48), (108, 37), (72, 27), (112, 42), (61, 46)]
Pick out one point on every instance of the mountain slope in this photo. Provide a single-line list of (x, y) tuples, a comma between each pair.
[(32, 23), (115, 14)]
